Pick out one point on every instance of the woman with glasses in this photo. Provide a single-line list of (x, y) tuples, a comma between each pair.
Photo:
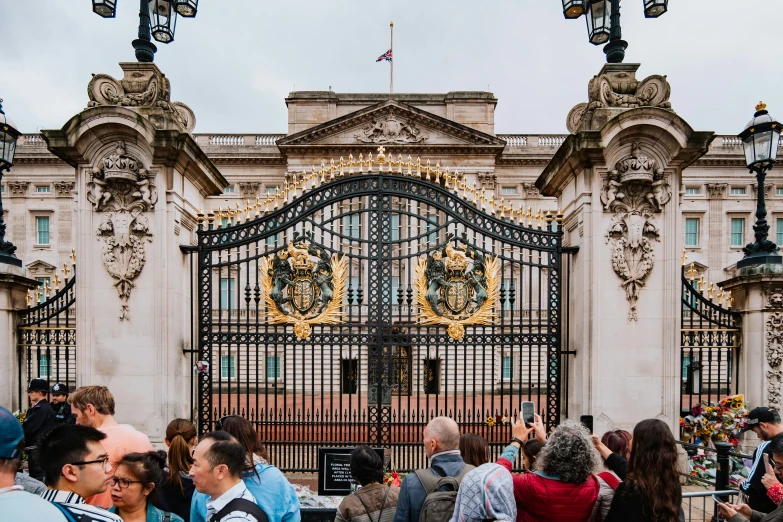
[(271, 490), (136, 486)]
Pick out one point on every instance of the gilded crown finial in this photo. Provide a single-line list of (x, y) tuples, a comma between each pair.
[(761, 106)]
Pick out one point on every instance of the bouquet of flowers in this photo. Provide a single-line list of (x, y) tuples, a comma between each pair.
[(20, 416), (393, 478), (715, 421)]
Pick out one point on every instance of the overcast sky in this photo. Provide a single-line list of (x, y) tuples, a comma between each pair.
[(237, 60)]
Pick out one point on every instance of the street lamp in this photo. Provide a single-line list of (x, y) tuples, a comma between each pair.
[(8, 137), (157, 19), (603, 22), (760, 140)]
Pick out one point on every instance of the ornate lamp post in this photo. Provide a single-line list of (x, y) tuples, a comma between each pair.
[(157, 19), (603, 22), (8, 137), (760, 140)]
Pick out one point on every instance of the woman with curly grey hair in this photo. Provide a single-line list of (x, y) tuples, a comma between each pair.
[(562, 487)]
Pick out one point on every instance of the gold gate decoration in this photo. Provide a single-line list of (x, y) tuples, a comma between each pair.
[(449, 293), (304, 285)]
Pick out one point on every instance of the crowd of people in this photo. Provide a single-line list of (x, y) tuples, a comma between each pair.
[(84, 466)]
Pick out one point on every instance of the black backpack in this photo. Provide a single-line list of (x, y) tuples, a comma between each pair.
[(242, 505), (439, 505)]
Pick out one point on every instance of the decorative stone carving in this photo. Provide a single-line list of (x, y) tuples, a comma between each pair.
[(774, 351), (124, 190), (717, 190), (616, 87), (775, 297), (62, 189), (249, 190), (773, 389), (634, 191), (487, 180), (531, 192), (390, 130), (142, 86), (18, 189)]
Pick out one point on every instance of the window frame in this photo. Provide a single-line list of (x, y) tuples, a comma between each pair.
[(230, 293), (38, 231), (276, 366), (47, 360), (697, 220), (778, 231), (231, 367), (509, 190), (48, 189), (743, 193), (506, 372), (689, 191), (741, 243)]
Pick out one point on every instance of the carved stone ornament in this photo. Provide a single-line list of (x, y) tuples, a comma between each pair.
[(124, 190), (775, 297), (248, 190), (717, 190), (390, 130), (634, 191), (531, 192), (487, 180), (63, 189), (142, 86), (774, 352), (616, 87), (18, 188)]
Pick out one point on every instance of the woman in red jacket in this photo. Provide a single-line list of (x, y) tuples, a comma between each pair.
[(562, 487)]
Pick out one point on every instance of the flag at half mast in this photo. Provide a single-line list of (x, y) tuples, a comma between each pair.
[(385, 56)]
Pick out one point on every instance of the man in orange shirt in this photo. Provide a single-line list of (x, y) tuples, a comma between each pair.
[(94, 406)]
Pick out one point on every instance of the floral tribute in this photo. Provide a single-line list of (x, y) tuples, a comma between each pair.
[(393, 478)]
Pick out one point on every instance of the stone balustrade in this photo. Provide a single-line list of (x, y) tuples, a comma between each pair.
[(33, 140), (514, 140)]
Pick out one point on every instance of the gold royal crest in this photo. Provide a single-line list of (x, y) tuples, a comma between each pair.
[(451, 292), (304, 285)]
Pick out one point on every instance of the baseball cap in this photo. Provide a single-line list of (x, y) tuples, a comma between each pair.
[(11, 435), (41, 385), (59, 389), (761, 414)]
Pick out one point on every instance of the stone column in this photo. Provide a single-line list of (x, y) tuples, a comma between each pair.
[(758, 293), (716, 233), (613, 177), (13, 289), (140, 180)]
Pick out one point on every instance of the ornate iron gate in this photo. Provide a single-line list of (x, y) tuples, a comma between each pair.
[(368, 297), (710, 341), (47, 333)]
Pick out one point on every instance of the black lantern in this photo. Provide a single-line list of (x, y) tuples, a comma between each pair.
[(655, 8), (598, 15), (8, 137), (186, 8), (573, 8), (163, 20), (760, 139), (105, 8)]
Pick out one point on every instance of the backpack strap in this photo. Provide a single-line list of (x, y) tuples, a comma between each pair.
[(610, 478), (433, 483), (244, 506), (70, 517)]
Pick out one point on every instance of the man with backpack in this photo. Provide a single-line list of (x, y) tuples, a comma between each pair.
[(218, 461), (430, 494)]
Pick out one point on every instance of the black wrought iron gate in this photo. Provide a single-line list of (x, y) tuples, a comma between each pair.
[(371, 369)]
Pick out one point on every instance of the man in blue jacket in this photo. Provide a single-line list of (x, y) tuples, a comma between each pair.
[(441, 444)]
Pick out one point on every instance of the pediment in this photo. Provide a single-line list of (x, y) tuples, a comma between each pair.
[(41, 267), (392, 124)]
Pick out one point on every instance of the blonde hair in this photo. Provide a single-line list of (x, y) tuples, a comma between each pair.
[(99, 396)]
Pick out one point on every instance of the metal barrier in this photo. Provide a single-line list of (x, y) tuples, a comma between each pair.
[(699, 505)]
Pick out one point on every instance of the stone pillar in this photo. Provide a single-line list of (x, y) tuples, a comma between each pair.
[(716, 233), (758, 293), (140, 180), (13, 289), (613, 177)]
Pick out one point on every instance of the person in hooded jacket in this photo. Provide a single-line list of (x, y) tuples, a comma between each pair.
[(561, 487)]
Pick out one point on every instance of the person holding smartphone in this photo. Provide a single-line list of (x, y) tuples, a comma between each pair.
[(773, 473)]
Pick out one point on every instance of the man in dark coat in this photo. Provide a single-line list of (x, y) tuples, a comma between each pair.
[(767, 425), (38, 421), (60, 406)]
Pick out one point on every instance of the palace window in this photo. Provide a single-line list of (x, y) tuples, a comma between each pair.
[(779, 191), (42, 229), (432, 376), (351, 226), (349, 375), (395, 227), (506, 369), (692, 191), (779, 231), (228, 287), (43, 189), (691, 232), (41, 284), (275, 240), (737, 232), (686, 361), (228, 190), (273, 367), (507, 191), (737, 191), (44, 366), (228, 367), (395, 285)]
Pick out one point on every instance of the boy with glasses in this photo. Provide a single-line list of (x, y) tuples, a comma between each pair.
[(76, 466)]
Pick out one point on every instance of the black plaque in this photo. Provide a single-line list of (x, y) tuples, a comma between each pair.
[(334, 470)]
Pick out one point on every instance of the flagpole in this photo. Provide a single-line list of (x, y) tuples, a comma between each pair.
[(391, 48)]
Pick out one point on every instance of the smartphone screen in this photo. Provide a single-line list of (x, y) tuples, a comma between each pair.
[(587, 420), (528, 413)]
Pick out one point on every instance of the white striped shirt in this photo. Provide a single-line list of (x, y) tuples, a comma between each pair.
[(759, 460), (238, 490), (77, 506)]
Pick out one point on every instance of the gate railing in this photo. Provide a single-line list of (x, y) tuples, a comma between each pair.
[(47, 332), (710, 336), (379, 374)]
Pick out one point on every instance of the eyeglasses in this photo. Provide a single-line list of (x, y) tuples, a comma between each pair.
[(219, 423), (124, 483), (103, 460)]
